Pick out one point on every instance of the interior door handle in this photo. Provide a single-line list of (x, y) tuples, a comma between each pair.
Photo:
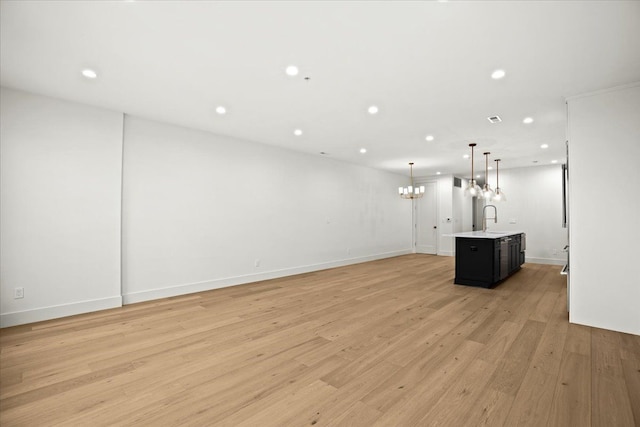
[(435, 227)]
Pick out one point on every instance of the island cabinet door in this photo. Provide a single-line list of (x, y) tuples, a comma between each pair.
[(476, 261), (514, 253)]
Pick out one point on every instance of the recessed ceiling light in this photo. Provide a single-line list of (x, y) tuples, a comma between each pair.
[(429, 138), (527, 120), (554, 161), (373, 109), (490, 168), (498, 74), (292, 70), (221, 110), (89, 73), (466, 156), (363, 150), (297, 132), (543, 146), (478, 176), (437, 173)]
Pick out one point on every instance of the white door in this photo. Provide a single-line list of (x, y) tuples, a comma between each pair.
[(426, 221)]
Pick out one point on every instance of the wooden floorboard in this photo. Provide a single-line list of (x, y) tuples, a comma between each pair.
[(389, 343)]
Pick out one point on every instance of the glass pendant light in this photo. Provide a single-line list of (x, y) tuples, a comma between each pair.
[(473, 189), (411, 192), (499, 194), (487, 192)]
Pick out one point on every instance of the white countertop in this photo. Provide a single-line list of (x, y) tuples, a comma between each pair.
[(489, 234)]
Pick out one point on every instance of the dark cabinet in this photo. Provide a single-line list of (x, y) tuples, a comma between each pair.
[(486, 261), (514, 253), (477, 261)]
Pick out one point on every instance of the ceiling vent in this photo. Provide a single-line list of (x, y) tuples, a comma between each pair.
[(494, 119)]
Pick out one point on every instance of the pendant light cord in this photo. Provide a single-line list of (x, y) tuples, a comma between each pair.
[(411, 173), (471, 162), (486, 168), (472, 145)]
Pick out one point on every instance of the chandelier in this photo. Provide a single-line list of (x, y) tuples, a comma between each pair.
[(411, 192)]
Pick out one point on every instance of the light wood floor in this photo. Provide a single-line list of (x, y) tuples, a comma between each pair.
[(389, 343)]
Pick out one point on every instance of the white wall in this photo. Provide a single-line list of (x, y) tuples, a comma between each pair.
[(534, 205), (462, 209), (60, 207), (445, 215), (604, 151), (538, 213), (453, 211), (200, 209)]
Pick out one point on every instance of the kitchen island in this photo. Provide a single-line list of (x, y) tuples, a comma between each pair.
[(484, 258)]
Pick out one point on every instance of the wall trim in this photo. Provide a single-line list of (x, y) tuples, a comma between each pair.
[(56, 311), (189, 288), (603, 91), (551, 261)]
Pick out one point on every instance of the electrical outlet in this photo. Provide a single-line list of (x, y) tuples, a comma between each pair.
[(257, 263), (18, 293)]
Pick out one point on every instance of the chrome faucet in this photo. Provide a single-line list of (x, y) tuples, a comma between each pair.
[(484, 216)]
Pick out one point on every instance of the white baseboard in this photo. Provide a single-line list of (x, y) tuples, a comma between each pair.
[(189, 288), (56, 311), (612, 326), (446, 253), (552, 261)]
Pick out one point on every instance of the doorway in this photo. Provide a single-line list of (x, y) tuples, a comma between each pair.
[(426, 220)]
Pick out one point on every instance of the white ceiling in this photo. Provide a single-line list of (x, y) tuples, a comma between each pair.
[(426, 65)]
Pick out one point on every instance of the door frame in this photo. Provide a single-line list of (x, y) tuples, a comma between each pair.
[(414, 213)]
